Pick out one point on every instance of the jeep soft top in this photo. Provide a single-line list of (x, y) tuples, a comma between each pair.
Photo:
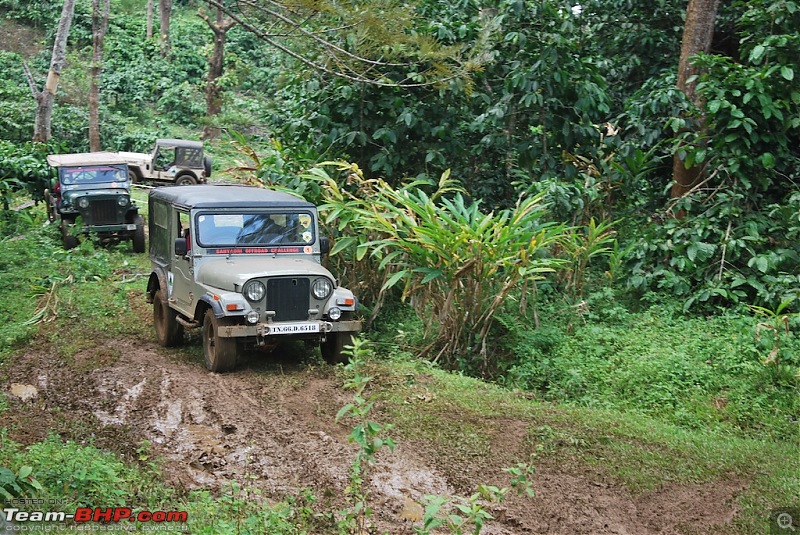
[(84, 159), (228, 196)]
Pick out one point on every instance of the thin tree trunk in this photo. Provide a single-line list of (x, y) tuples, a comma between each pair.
[(165, 10), (99, 29), (149, 19), (697, 35), (46, 97), (216, 65)]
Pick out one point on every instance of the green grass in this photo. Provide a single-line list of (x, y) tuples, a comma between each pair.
[(88, 289), (695, 372)]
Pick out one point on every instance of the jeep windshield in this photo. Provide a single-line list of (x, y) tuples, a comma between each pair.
[(93, 174), (247, 228)]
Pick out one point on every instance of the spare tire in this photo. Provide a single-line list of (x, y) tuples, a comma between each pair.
[(207, 166)]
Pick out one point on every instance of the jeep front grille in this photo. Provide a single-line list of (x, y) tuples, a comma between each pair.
[(289, 298), (103, 212)]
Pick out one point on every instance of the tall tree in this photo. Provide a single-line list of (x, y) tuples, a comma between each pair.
[(149, 12), (46, 97), (216, 64), (165, 11), (698, 33), (99, 29)]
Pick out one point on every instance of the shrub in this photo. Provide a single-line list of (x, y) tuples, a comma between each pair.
[(455, 263)]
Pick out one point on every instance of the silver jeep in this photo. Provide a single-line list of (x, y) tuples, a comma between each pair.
[(243, 263)]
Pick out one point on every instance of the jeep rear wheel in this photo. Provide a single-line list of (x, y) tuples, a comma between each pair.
[(207, 166), (333, 346), (70, 241), (138, 235), (168, 331), (219, 351), (185, 180)]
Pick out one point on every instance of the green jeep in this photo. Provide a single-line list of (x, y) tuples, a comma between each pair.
[(244, 264), (92, 190)]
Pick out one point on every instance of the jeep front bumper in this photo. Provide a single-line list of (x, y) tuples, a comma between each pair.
[(302, 329)]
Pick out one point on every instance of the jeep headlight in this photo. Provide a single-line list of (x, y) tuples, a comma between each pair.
[(122, 201), (254, 291), (321, 288), (83, 202)]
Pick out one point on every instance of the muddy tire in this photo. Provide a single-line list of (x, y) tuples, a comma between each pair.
[(168, 331), (48, 202), (219, 352), (138, 235), (185, 180), (133, 176), (70, 241), (207, 166), (333, 346)]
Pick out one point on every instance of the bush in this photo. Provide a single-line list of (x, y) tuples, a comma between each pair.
[(455, 263), (695, 372)]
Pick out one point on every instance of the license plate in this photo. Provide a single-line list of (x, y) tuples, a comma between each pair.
[(294, 328)]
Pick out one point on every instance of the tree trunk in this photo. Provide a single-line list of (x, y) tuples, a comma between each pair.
[(165, 9), (149, 30), (46, 97), (99, 29), (697, 35), (216, 65)]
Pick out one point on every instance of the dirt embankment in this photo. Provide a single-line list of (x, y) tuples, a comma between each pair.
[(277, 427)]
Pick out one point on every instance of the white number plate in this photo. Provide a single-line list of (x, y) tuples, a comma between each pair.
[(294, 328)]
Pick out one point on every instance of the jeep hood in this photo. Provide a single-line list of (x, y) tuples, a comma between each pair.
[(224, 273), (135, 158), (99, 190)]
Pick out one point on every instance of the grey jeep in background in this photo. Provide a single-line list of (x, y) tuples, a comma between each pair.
[(244, 264), (172, 161), (91, 193)]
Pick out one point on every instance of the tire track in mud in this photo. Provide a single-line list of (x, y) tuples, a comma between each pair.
[(218, 428)]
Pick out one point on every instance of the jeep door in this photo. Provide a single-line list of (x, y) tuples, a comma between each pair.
[(183, 269)]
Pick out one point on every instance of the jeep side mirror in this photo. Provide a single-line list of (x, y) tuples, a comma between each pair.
[(324, 245), (180, 247)]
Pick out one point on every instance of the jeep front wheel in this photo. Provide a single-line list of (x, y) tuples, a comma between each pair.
[(70, 241), (333, 346), (219, 351), (168, 331), (138, 235)]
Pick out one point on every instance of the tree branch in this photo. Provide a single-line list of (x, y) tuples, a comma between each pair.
[(31, 82), (338, 56)]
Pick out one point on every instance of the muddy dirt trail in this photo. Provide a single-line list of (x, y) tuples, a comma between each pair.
[(275, 424)]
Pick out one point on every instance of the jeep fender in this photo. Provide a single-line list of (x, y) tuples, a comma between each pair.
[(158, 279), (131, 214), (339, 295), (211, 303)]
